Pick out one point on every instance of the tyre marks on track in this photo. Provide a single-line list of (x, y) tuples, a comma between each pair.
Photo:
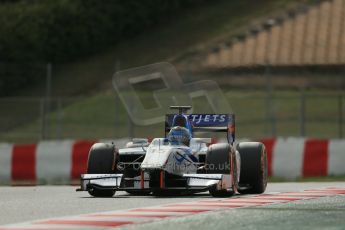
[(117, 218)]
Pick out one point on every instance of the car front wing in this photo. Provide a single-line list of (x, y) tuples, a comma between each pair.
[(199, 182)]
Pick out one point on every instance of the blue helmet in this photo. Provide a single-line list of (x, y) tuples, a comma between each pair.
[(180, 135)]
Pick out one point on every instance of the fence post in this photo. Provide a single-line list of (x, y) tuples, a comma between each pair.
[(59, 119), (47, 102), (302, 112), (117, 102), (43, 117), (116, 116), (340, 118), (130, 125), (130, 128)]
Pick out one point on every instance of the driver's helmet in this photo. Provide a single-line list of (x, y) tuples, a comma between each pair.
[(179, 134)]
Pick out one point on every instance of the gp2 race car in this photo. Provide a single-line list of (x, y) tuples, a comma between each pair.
[(169, 166)]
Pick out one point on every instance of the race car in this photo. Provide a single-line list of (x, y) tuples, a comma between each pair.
[(179, 162)]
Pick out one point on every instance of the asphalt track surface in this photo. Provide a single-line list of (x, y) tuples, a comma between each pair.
[(47, 203)]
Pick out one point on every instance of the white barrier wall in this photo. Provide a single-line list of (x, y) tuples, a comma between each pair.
[(61, 162)]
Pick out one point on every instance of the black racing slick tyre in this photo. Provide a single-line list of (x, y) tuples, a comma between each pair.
[(220, 159), (102, 160), (253, 174), (138, 192)]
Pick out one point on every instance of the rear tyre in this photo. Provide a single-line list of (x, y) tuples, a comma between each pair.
[(218, 159), (102, 160), (253, 177)]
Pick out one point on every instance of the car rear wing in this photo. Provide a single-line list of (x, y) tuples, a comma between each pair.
[(207, 123)]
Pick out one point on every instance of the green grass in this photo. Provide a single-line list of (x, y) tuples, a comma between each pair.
[(321, 113), (104, 116)]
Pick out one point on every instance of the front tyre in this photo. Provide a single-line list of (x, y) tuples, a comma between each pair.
[(102, 160), (253, 176), (138, 192), (221, 159)]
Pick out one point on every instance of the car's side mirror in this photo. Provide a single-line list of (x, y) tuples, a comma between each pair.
[(140, 141)]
